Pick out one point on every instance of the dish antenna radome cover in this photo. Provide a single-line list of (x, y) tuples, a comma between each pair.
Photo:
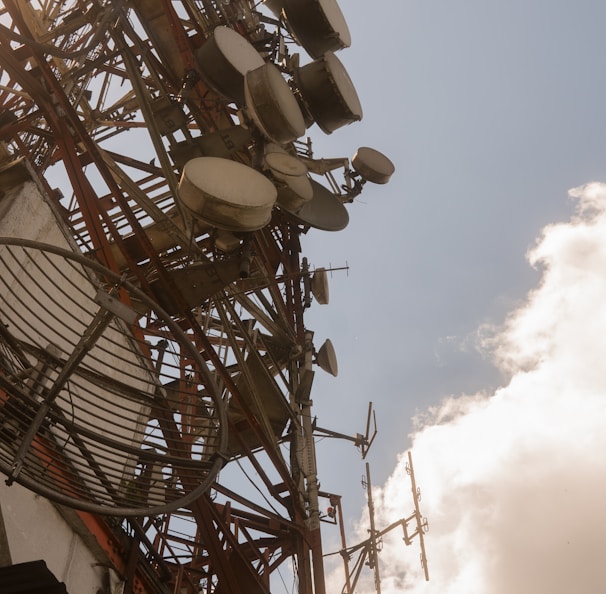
[(328, 93), (372, 165), (271, 104), (223, 61), (227, 194), (318, 25), (319, 286)]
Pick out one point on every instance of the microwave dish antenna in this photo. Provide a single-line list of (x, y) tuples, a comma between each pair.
[(319, 26), (328, 93), (320, 286), (271, 104), (281, 163), (227, 194), (372, 165), (94, 412), (324, 211), (223, 61), (290, 173), (327, 358)]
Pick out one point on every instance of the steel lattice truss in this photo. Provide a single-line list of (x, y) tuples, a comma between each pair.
[(103, 101)]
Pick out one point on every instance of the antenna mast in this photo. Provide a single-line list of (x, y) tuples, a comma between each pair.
[(422, 525), (368, 550), (373, 553)]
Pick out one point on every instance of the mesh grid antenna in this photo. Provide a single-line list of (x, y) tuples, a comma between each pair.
[(94, 412)]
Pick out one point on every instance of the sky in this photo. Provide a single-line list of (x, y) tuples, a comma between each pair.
[(514, 482), (470, 315)]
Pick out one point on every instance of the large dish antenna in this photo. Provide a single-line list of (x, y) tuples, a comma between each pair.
[(272, 105), (318, 25), (328, 93), (224, 60), (97, 409), (227, 194)]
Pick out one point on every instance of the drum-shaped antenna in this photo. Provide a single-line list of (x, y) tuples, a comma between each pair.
[(100, 409), (294, 192), (227, 194), (372, 165), (281, 162), (293, 183), (328, 93), (319, 286), (318, 25), (223, 61), (272, 105)]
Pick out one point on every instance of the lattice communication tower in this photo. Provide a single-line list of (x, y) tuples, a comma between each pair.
[(153, 351)]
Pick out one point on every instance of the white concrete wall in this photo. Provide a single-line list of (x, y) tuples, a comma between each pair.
[(35, 530), (39, 319)]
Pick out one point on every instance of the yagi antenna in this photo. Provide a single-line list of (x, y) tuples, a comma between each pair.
[(316, 283), (362, 442)]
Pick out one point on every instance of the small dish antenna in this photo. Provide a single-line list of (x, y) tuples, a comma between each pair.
[(372, 165), (319, 286), (281, 163), (327, 358), (290, 172)]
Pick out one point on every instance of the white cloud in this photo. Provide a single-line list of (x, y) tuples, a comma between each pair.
[(514, 483)]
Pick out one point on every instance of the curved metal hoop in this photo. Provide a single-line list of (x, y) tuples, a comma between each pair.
[(105, 403)]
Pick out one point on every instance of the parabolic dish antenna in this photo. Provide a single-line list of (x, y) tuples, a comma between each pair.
[(327, 358), (294, 192), (96, 411), (272, 105), (319, 286), (372, 165), (223, 61), (281, 162), (324, 211), (318, 25), (328, 93), (227, 194), (290, 172)]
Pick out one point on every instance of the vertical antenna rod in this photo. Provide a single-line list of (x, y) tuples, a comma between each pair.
[(374, 553), (421, 524)]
